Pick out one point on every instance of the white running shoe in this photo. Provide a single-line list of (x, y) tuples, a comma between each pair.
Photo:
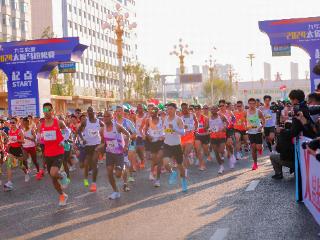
[(156, 183), (221, 169), (232, 161), (114, 195), (63, 200), (151, 177), (26, 177), (239, 156)]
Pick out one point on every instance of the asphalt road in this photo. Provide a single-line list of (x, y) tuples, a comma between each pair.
[(215, 207)]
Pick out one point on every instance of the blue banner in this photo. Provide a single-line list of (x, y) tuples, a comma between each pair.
[(24, 62)]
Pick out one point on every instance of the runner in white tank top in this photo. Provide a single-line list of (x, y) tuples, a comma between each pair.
[(89, 134), (155, 133), (115, 146), (172, 144), (140, 141)]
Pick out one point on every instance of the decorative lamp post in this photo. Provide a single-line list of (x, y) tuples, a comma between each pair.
[(119, 22), (251, 56), (181, 51), (212, 68)]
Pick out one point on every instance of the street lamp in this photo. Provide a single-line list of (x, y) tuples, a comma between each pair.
[(211, 66), (211, 63), (118, 22), (251, 56), (181, 51)]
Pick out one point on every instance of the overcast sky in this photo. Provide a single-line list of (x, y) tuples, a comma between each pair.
[(229, 25)]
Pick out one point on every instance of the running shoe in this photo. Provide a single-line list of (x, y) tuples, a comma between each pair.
[(232, 161), (93, 187), (126, 188), (239, 156), (86, 182), (202, 168), (8, 187), (131, 179), (184, 185), (173, 178), (63, 198), (39, 176), (151, 177), (221, 169), (26, 177), (64, 181), (156, 183), (254, 166), (114, 195)]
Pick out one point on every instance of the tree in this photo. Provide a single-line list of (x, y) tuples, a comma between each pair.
[(221, 89)]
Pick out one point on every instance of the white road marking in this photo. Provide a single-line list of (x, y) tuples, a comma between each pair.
[(220, 234), (252, 185), (84, 195)]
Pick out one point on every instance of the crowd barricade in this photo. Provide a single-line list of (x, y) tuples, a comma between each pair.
[(307, 178)]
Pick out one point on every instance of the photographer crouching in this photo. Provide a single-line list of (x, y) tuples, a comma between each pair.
[(304, 120)]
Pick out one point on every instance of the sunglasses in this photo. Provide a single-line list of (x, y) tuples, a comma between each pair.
[(222, 106), (45, 110), (205, 108)]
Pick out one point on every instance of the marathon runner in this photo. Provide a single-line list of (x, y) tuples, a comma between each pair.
[(89, 134), (225, 111), (202, 137), (54, 151), (155, 134), (254, 120), (140, 143), (172, 144), (16, 139), (240, 127), (128, 156), (270, 122), (29, 145), (187, 141), (218, 125), (115, 146)]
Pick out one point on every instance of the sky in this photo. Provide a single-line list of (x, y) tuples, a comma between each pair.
[(231, 26)]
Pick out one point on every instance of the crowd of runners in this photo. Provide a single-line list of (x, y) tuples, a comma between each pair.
[(172, 138)]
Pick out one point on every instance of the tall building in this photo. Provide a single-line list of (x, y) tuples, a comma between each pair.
[(294, 70), (267, 71), (16, 20), (97, 74)]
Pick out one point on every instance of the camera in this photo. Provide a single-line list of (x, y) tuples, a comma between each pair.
[(313, 144), (276, 107)]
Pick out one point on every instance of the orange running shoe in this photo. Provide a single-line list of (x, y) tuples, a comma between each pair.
[(93, 187)]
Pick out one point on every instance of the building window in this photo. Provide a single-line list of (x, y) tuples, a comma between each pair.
[(70, 24), (89, 16), (75, 26), (84, 14), (70, 8), (87, 61), (24, 26), (14, 4), (80, 28), (24, 7), (13, 23), (75, 10), (80, 13)]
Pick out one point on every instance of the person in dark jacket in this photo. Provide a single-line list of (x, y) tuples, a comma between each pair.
[(285, 152)]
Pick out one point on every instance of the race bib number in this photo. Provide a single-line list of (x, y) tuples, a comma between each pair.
[(92, 133), (200, 125), (13, 139), (50, 135), (168, 130), (268, 117), (111, 145)]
